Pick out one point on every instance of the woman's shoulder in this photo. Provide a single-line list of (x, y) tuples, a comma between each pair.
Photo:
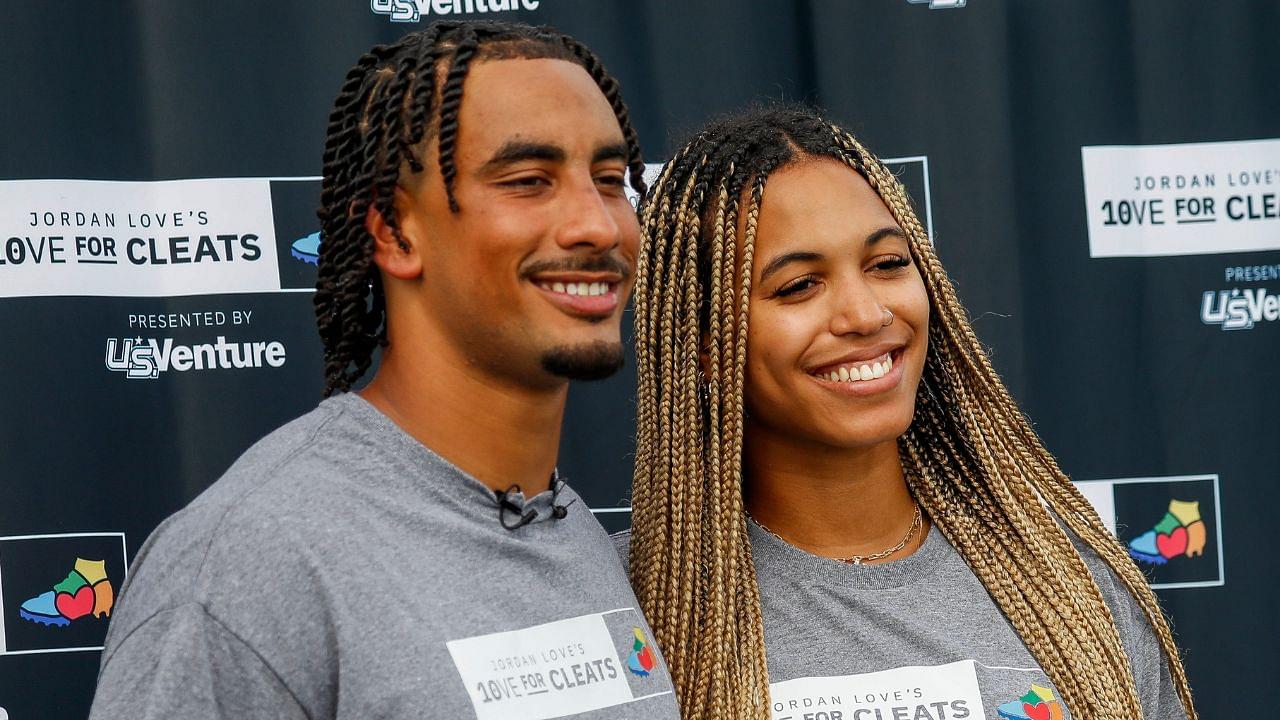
[(1124, 607), (622, 543)]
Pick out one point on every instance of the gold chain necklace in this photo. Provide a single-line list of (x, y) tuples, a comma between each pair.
[(916, 522)]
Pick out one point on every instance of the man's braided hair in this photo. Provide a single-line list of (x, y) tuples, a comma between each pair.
[(390, 103), (971, 457)]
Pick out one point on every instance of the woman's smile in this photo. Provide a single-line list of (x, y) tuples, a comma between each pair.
[(862, 377)]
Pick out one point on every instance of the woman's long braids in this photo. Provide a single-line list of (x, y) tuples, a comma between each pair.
[(391, 100), (971, 457)]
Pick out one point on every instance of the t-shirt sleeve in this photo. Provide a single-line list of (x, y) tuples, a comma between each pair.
[(182, 662), (1156, 692), (1151, 673)]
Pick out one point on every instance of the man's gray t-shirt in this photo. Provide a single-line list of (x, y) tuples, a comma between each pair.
[(916, 639), (342, 570)]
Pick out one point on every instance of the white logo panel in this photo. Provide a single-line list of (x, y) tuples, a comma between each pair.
[(1188, 199), (907, 692), (136, 239), (546, 671)]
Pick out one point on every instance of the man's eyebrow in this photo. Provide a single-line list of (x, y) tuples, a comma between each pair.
[(785, 259), (616, 151), (514, 151)]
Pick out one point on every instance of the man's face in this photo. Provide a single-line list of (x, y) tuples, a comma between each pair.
[(530, 278)]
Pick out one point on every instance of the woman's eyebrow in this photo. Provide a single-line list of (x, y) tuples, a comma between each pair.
[(784, 259), (884, 232)]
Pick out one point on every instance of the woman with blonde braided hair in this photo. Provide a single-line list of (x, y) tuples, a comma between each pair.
[(839, 511)]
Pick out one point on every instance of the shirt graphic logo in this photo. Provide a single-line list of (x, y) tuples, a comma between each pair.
[(85, 591), (641, 660), (1039, 704), (1180, 533)]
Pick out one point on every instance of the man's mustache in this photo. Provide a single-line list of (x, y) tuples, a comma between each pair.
[(593, 263)]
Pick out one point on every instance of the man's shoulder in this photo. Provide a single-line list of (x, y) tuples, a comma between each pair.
[(285, 452), (241, 531), (285, 467)]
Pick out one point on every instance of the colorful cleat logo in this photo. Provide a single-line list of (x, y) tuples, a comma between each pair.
[(1039, 704), (641, 660), (307, 249), (1179, 532), (85, 591)]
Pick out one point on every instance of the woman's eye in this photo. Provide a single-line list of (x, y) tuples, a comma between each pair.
[(795, 287), (897, 262), (615, 180)]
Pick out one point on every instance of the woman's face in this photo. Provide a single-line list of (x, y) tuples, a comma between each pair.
[(822, 365)]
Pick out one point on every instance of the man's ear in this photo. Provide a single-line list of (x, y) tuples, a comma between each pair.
[(393, 251)]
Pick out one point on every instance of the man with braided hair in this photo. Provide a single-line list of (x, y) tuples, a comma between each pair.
[(408, 550)]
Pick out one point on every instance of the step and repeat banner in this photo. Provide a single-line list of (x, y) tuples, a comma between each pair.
[(1101, 177)]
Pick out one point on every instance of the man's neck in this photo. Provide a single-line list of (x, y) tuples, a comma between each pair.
[(828, 501), (498, 433)]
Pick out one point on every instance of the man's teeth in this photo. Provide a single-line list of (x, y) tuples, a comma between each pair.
[(864, 371), (588, 289)]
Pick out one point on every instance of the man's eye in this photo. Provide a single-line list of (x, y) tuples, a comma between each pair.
[(524, 182)]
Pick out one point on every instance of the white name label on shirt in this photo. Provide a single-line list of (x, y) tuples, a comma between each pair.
[(939, 692), (547, 671)]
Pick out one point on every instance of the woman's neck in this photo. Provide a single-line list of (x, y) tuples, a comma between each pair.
[(833, 502)]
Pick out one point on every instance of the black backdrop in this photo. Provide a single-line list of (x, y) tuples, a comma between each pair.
[(1146, 375)]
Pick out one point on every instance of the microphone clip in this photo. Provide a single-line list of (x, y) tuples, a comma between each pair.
[(507, 506)]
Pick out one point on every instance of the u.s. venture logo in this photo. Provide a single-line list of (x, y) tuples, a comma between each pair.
[(412, 11), (146, 359), (1236, 308), (1239, 309)]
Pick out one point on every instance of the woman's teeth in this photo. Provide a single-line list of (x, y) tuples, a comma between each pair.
[(854, 372), (589, 289)]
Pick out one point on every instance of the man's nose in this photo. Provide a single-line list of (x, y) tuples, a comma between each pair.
[(586, 222)]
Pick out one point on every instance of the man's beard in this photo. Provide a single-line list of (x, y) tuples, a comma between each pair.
[(591, 361)]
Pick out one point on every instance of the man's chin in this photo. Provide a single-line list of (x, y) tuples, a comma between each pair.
[(585, 361)]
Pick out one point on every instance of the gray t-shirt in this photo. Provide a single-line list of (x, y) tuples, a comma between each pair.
[(916, 639), (342, 570)]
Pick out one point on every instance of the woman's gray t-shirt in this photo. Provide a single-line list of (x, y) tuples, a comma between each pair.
[(916, 639)]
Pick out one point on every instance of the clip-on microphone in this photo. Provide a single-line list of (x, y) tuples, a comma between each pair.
[(505, 506), (559, 512)]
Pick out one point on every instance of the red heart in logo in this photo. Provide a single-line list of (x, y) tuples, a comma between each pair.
[(1173, 544), (75, 606), (1039, 711), (646, 658)]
